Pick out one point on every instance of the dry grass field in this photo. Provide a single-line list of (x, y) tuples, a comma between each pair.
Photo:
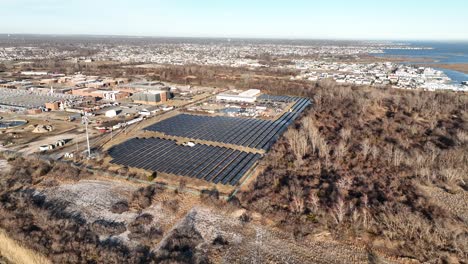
[(84, 217), (13, 252), (461, 67)]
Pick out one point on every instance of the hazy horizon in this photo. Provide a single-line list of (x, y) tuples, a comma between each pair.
[(334, 20), (226, 37)]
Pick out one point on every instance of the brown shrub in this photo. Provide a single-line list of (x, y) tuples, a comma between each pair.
[(370, 149), (143, 197), (120, 207)]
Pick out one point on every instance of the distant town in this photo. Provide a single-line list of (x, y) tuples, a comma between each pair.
[(378, 74), (315, 62)]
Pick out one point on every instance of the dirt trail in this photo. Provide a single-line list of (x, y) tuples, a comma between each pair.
[(33, 147)]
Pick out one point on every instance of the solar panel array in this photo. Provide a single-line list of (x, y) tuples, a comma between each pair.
[(214, 164), (277, 98), (248, 132)]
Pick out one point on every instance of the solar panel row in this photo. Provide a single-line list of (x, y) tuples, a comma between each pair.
[(254, 133), (277, 98), (215, 164)]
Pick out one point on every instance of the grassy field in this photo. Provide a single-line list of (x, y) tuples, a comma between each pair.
[(461, 67), (15, 253)]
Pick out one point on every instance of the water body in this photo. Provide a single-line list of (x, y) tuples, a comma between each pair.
[(441, 53), (11, 124)]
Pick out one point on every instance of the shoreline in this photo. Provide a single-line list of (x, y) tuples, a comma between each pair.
[(426, 62)]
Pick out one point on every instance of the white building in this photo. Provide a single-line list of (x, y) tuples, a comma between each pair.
[(111, 113), (249, 96), (33, 73), (111, 95)]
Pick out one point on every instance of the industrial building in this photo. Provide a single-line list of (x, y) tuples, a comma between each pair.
[(152, 97), (249, 96), (53, 106), (23, 100), (91, 92), (101, 94), (146, 86), (34, 73), (115, 95)]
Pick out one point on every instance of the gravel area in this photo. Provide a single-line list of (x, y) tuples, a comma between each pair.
[(93, 199), (253, 243)]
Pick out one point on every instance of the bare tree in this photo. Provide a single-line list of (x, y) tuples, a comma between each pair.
[(298, 141), (339, 210), (365, 147), (296, 193)]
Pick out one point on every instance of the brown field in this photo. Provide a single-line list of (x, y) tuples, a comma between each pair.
[(461, 67), (373, 59)]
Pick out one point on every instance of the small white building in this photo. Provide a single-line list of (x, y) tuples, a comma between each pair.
[(111, 95), (111, 113), (46, 147)]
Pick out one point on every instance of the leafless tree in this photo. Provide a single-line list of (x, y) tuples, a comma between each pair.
[(298, 141), (339, 210), (365, 148), (296, 193)]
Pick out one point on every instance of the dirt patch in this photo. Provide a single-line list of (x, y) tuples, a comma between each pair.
[(456, 203), (93, 199), (229, 240), (33, 147)]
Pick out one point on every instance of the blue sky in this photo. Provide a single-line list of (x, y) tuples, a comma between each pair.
[(325, 19)]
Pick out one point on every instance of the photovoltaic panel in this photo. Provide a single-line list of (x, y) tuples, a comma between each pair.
[(248, 132), (166, 156), (210, 163)]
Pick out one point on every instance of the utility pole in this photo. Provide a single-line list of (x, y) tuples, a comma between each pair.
[(85, 120)]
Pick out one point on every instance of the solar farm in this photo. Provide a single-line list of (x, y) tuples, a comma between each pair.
[(215, 164), (253, 133), (218, 163), (277, 98)]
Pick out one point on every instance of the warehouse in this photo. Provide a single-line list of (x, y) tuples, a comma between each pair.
[(152, 97), (23, 100), (249, 96)]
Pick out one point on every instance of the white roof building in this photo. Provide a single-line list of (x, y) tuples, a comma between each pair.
[(33, 73), (249, 96), (111, 113)]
